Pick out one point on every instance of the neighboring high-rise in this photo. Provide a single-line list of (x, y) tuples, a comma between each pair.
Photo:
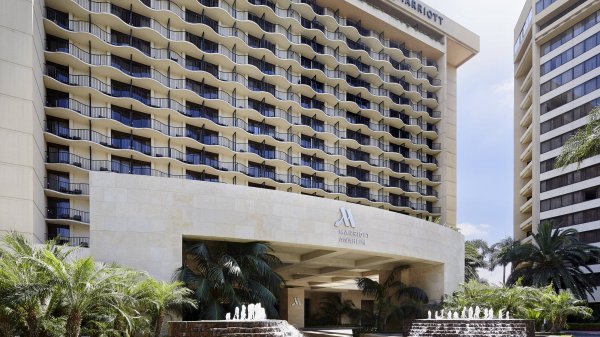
[(120, 120), (557, 77)]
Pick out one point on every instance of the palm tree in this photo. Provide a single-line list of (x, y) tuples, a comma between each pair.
[(583, 144), (556, 258), (558, 306), (85, 285), (333, 309), (476, 252), (224, 275), (166, 298), (384, 292), (25, 290), (500, 254)]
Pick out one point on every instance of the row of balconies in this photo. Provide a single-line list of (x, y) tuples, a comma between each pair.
[(207, 92), (395, 86), (265, 129), (69, 214), (296, 22), (198, 158), (426, 100), (236, 57), (212, 138)]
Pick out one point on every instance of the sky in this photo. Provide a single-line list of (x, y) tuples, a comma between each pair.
[(485, 120)]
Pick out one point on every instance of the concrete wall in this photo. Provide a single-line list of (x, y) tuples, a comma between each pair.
[(140, 220), (22, 202)]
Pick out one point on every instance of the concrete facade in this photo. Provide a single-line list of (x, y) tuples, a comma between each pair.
[(146, 219), (112, 111), (556, 46)]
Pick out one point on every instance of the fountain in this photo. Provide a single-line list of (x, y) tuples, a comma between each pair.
[(470, 324), (250, 321)]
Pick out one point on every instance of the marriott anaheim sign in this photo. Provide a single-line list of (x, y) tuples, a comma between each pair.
[(346, 227), (422, 9)]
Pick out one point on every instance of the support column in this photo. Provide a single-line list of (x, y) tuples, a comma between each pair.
[(292, 306)]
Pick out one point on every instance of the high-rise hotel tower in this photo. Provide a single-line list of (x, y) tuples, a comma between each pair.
[(327, 128), (557, 77)]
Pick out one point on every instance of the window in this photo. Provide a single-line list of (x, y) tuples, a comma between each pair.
[(570, 95), (202, 111), (312, 64), (58, 126), (57, 154), (120, 89), (261, 149), (356, 191), (202, 176), (130, 67), (201, 157), (260, 85), (358, 173), (130, 166), (357, 119), (312, 181), (265, 109), (120, 39), (312, 142), (570, 54), (130, 17), (266, 25), (202, 89), (131, 117), (313, 122), (201, 65), (58, 72), (193, 17), (313, 162), (261, 170), (121, 140), (313, 83), (259, 128), (570, 199), (56, 44), (260, 43), (202, 135), (202, 43), (317, 47), (263, 65)]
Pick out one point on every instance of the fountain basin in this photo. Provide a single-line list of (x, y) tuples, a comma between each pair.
[(470, 328), (233, 328)]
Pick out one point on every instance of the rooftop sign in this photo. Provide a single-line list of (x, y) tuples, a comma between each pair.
[(422, 9)]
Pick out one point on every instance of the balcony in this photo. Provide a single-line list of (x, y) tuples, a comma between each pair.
[(526, 137), (73, 241), (64, 213), (526, 207), (66, 187), (526, 119), (527, 189), (526, 225)]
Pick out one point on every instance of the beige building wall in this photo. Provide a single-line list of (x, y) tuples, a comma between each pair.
[(22, 202)]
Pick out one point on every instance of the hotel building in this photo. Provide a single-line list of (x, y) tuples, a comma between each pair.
[(557, 76), (327, 128)]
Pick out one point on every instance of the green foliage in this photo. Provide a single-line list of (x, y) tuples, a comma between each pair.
[(333, 309), (540, 304), (555, 257), (225, 275), (583, 144), (476, 256), (45, 292), (394, 301)]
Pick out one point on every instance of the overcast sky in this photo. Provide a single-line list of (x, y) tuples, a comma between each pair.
[(485, 117)]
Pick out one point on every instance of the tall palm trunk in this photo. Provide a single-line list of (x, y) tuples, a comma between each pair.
[(73, 324), (32, 329), (381, 319), (159, 323)]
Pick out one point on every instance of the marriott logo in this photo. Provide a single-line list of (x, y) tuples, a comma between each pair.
[(347, 219)]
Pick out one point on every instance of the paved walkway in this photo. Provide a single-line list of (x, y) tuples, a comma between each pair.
[(328, 333), (583, 333)]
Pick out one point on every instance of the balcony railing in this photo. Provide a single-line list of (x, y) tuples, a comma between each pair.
[(74, 241), (65, 213), (61, 186), (84, 26)]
